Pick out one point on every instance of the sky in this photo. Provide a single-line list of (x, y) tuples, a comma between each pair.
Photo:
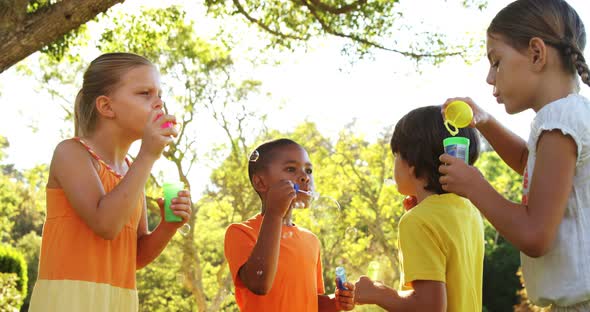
[(316, 84)]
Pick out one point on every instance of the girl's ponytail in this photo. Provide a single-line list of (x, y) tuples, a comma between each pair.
[(77, 106)]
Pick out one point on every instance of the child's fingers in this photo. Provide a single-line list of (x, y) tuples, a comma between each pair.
[(345, 305), (185, 214), (447, 159), (170, 131), (349, 286), (181, 200), (184, 193), (345, 293)]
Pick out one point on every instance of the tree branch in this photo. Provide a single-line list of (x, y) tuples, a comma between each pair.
[(12, 14), (38, 29), (262, 25), (328, 29), (337, 10)]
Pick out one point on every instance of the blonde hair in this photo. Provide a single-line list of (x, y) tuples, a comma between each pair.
[(101, 77)]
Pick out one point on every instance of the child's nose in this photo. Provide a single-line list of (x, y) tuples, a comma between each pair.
[(304, 178), (491, 78), (159, 104)]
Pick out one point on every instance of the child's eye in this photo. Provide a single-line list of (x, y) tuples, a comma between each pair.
[(290, 169), (309, 171)]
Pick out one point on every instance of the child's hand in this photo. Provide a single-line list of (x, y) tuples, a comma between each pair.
[(155, 136), (181, 206), (458, 177), (344, 298), (364, 289), (410, 202), (279, 198), (479, 115)]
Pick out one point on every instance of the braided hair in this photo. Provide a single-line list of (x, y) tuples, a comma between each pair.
[(554, 21)]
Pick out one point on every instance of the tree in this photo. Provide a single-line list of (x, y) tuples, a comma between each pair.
[(27, 26), (502, 260)]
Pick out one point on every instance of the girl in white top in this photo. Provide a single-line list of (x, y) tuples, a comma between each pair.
[(535, 49)]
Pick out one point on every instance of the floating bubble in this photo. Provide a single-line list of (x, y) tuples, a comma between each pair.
[(184, 229), (297, 205), (350, 233), (389, 181), (373, 271), (254, 156), (325, 207)]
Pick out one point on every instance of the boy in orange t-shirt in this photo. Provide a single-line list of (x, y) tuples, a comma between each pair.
[(275, 264)]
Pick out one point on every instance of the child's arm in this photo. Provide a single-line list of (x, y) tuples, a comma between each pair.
[(258, 273), (342, 300), (151, 244), (72, 169), (531, 228), (428, 296), (509, 146)]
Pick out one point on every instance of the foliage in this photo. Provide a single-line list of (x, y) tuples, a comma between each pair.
[(10, 297), (12, 261), (366, 25), (502, 260), (30, 246)]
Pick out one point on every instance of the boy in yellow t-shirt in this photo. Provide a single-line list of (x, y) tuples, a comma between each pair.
[(441, 236)]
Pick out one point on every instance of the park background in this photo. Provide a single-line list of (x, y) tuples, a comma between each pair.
[(333, 75)]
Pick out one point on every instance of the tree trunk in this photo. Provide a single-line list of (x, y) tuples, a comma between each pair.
[(21, 33)]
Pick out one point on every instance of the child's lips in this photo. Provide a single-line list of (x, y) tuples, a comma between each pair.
[(167, 124)]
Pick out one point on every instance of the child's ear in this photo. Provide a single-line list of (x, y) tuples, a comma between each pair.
[(259, 184), (537, 53), (104, 107), (413, 171)]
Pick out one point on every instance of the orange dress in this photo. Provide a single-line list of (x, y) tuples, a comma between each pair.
[(79, 270)]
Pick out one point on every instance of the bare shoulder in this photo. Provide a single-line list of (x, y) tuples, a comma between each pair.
[(69, 157)]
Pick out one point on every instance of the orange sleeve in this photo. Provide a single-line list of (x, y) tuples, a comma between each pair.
[(238, 247), (320, 276)]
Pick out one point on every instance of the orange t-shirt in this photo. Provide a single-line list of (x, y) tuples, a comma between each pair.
[(298, 280)]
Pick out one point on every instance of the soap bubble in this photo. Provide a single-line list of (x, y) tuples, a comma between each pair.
[(350, 233), (389, 181), (184, 229)]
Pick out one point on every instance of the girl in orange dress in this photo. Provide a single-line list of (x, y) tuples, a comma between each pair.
[(95, 234)]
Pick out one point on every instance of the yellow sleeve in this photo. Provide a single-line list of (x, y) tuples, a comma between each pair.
[(422, 254)]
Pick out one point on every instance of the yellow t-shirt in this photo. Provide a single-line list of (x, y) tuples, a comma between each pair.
[(441, 239)]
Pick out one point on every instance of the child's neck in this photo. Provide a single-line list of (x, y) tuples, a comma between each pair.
[(111, 149), (422, 193), (556, 86)]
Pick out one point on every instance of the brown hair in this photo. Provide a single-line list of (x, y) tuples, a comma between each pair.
[(101, 77), (418, 139), (553, 21)]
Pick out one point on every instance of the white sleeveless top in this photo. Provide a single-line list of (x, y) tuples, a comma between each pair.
[(562, 276)]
